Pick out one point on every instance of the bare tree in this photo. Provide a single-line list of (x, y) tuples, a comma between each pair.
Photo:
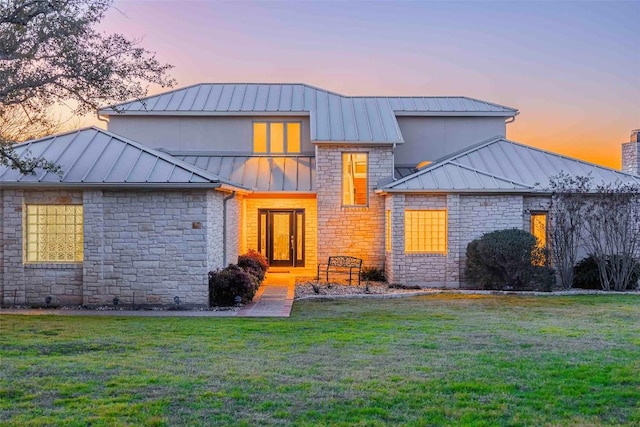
[(612, 233), (51, 53), (567, 217)]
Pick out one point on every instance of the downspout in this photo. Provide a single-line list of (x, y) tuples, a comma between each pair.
[(224, 227)]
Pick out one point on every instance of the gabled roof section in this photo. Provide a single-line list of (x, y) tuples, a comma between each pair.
[(500, 165), (95, 157), (453, 177), (333, 117), (286, 174)]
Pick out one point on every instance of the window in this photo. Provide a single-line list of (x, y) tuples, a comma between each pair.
[(539, 227), (425, 231), (387, 231), (354, 179), (276, 137), (54, 233)]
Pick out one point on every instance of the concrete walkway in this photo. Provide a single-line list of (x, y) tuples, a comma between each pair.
[(271, 300)]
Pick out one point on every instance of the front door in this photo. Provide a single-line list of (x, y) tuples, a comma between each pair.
[(281, 236)]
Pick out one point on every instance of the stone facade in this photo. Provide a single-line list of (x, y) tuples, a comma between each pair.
[(468, 217), (631, 157), (138, 244), (354, 231)]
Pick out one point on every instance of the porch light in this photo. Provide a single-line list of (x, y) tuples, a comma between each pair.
[(176, 299), (116, 301), (48, 300)]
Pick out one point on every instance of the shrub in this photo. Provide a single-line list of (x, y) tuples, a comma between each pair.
[(226, 284), (254, 263), (508, 259), (587, 275), (373, 274)]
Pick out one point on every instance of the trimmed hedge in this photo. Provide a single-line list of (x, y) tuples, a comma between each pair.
[(508, 259), (587, 276)]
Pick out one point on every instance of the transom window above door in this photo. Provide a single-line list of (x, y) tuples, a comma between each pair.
[(276, 137)]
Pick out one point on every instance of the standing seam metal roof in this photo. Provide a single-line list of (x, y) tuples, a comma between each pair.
[(333, 117), (259, 173), (503, 166), (95, 156)]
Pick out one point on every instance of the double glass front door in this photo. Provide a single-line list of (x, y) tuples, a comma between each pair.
[(281, 236)]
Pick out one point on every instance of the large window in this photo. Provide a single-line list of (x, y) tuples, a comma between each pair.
[(54, 233), (539, 227), (354, 179), (276, 137), (425, 231)]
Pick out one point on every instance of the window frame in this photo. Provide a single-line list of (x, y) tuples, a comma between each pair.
[(407, 237), (545, 214), (343, 179), (285, 135), (32, 237)]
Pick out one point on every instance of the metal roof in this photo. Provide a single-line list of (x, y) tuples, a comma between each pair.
[(93, 156), (333, 117), (500, 165), (259, 173)]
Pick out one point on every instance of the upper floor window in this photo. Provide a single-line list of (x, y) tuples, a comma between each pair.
[(354, 179), (54, 233), (276, 137)]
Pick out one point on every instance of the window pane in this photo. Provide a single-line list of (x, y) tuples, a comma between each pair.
[(293, 137), (259, 137), (354, 179), (276, 139), (425, 231), (54, 233), (539, 227)]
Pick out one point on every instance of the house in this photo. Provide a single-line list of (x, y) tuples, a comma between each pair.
[(184, 181)]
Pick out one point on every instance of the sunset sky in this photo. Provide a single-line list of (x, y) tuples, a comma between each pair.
[(571, 68)]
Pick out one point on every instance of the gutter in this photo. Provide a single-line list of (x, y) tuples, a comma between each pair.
[(224, 227)]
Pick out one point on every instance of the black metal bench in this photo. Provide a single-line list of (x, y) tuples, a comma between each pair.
[(341, 265)]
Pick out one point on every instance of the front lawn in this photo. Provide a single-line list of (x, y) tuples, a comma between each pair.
[(434, 360)]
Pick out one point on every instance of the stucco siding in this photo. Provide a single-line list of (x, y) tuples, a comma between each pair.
[(354, 231), (430, 138), (220, 134)]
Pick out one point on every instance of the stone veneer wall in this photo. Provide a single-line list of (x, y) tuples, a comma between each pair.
[(631, 157), (480, 214), (468, 217), (234, 228), (355, 231), (157, 244), (308, 203)]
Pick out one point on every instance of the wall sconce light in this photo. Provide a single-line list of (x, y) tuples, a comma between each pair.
[(48, 300), (176, 299), (116, 301)]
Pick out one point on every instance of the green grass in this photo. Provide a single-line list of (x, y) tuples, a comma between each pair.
[(436, 360)]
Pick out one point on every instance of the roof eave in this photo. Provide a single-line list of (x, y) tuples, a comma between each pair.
[(204, 113), (456, 113), (384, 191), (115, 185)]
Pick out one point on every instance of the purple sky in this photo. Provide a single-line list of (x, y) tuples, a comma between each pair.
[(571, 68)]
